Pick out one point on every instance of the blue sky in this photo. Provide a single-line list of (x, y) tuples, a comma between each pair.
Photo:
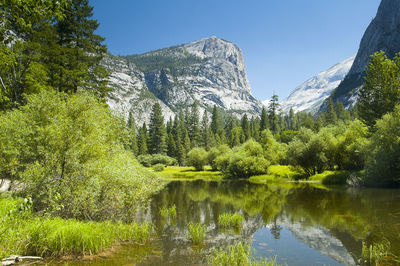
[(284, 42)]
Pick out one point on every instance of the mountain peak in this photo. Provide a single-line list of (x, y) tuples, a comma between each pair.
[(310, 95), (382, 34), (210, 71)]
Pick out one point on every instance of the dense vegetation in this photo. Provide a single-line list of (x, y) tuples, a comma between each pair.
[(75, 183), (337, 140), (173, 58)]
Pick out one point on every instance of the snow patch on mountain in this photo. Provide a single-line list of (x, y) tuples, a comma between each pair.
[(310, 95)]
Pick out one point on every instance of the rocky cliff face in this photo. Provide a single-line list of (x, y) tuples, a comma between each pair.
[(382, 34), (309, 96), (210, 71)]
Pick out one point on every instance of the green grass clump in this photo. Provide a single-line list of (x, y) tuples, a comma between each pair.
[(228, 220), (196, 233), (58, 237), (189, 173), (168, 212), (378, 254), (237, 255), (25, 234), (331, 177)]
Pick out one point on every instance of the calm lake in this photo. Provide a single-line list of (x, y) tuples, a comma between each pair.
[(299, 224)]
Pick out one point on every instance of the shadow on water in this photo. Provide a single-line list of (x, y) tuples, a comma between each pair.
[(300, 224)]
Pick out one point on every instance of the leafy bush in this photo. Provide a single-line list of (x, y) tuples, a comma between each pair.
[(68, 152), (341, 146), (383, 167), (214, 153), (197, 157), (158, 167), (274, 151), (244, 161), (149, 160)]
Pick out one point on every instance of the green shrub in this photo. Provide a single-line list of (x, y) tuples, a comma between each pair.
[(332, 177), (340, 146), (196, 233), (237, 255), (383, 165), (228, 220), (158, 167), (214, 153), (197, 157), (244, 161), (68, 151)]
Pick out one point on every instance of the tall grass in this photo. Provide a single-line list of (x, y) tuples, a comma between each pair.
[(168, 212), (196, 233), (23, 233), (57, 237), (378, 254), (228, 220), (237, 255)]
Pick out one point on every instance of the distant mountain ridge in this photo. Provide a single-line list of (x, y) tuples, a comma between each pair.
[(210, 71), (309, 96)]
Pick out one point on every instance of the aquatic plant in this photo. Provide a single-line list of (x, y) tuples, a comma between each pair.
[(168, 212), (375, 253), (237, 255), (196, 233), (23, 233), (228, 220)]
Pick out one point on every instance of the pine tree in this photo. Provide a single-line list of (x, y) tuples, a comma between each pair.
[(186, 141), (171, 146), (255, 128), (132, 134), (216, 123), (292, 120), (330, 114), (341, 112), (206, 132), (194, 127), (142, 140), (180, 151), (187, 117), (273, 110), (237, 136), (245, 126), (76, 64), (157, 132), (264, 123)]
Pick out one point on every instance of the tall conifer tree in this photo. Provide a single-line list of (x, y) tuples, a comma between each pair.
[(157, 133)]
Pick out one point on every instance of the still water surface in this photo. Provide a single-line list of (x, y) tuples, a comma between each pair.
[(299, 224)]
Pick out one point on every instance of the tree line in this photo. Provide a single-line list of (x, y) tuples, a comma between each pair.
[(338, 139)]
